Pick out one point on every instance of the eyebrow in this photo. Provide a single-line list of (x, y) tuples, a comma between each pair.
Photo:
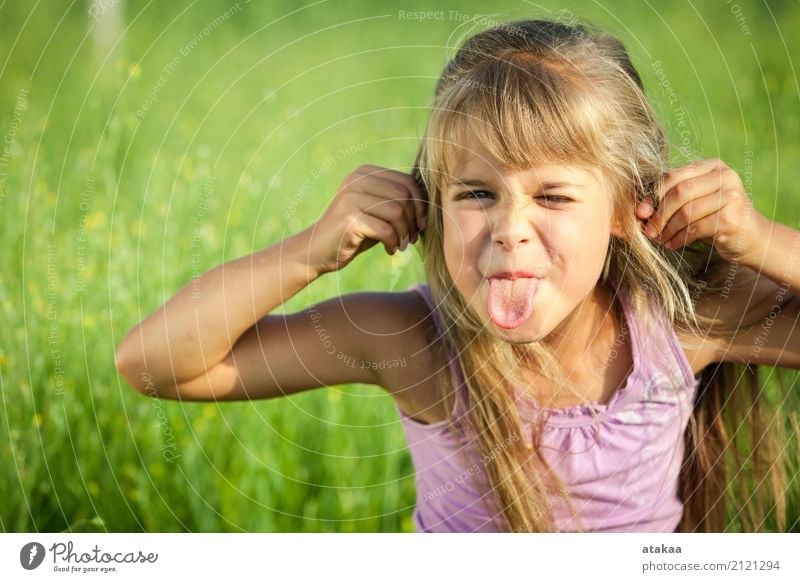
[(547, 185)]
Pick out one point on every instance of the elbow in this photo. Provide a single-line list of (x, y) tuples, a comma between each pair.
[(121, 360), (131, 370)]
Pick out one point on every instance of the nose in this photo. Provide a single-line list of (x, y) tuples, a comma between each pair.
[(511, 227)]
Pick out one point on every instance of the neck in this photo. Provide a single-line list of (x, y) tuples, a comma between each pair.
[(572, 339)]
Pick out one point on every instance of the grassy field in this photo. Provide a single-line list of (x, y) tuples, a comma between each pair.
[(196, 133)]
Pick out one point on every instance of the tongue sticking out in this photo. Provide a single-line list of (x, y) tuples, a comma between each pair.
[(511, 301)]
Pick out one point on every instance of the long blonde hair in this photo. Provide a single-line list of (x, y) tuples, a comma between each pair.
[(539, 91)]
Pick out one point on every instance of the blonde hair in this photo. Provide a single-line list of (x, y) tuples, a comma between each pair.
[(537, 91)]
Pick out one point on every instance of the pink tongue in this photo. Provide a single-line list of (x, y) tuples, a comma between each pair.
[(511, 301)]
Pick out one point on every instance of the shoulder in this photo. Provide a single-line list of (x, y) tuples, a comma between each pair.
[(699, 351), (411, 358), (406, 352)]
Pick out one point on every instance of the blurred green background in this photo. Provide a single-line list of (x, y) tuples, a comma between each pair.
[(146, 142)]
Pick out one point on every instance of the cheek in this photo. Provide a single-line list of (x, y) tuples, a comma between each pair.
[(459, 230), (585, 234), (580, 243), (461, 233)]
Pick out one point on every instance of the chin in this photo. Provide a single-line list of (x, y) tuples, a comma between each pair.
[(518, 341)]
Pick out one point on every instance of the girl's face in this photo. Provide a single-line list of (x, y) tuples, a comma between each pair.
[(551, 221)]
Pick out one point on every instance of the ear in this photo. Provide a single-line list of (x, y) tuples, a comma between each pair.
[(618, 222), (616, 228)]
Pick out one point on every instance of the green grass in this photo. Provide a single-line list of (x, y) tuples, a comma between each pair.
[(100, 206)]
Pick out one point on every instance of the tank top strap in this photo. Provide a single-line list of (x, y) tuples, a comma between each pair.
[(633, 388), (659, 361), (455, 370)]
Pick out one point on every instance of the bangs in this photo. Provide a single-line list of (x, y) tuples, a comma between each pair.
[(522, 109)]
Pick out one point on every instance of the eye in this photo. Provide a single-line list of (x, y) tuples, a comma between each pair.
[(472, 194), (550, 198)]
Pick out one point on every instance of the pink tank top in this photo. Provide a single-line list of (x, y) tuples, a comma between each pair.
[(620, 464)]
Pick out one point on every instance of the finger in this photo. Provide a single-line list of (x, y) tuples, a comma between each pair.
[(681, 194), (698, 230), (378, 184), (417, 196), (399, 187), (692, 212), (393, 212), (693, 170), (377, 229), (644, 209)]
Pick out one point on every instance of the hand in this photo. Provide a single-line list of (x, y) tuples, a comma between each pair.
[(372, 205), (705, 201)]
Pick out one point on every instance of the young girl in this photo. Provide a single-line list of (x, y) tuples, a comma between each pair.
[(573, 357)]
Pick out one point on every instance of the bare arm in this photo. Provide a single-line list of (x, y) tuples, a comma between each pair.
[(777, 257), (197, 327), (774, 299), (214, 339)]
